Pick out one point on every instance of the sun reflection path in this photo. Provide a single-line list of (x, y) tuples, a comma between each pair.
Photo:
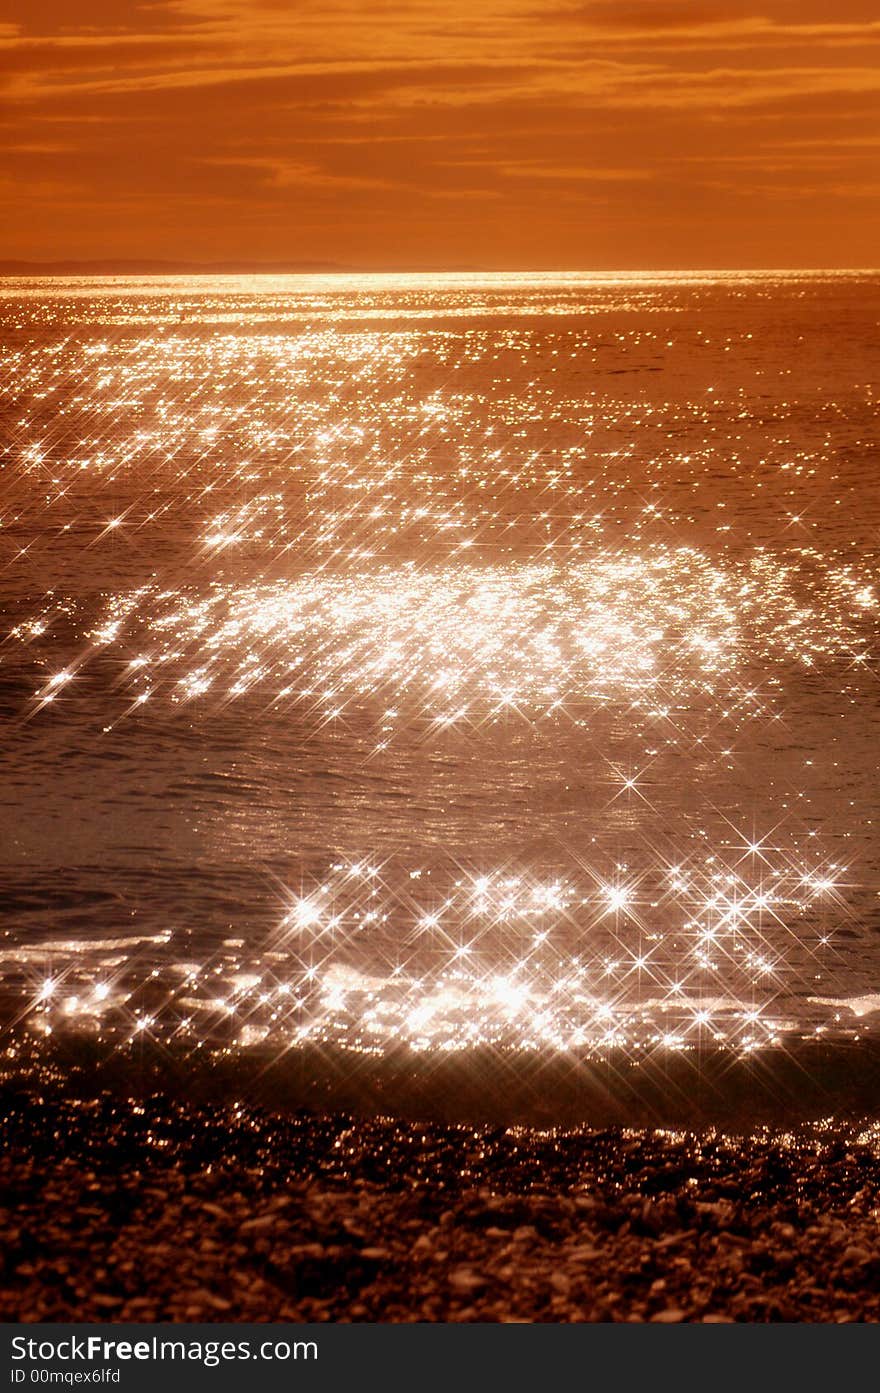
[(399, 505), (664, 633), (377, 955)]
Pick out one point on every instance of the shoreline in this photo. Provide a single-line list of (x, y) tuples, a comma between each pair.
[(784, 1085), (154, 1209)]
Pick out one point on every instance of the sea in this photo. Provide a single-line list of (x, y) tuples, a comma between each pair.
[(475, 673)]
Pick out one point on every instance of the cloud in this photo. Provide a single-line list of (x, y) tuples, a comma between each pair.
[(299, 174), (452, 124), (556, 173)]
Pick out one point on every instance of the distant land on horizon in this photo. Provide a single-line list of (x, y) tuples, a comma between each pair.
[(155, 266), (145, 266), (148, 266)]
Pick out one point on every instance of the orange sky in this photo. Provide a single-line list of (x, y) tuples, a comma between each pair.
[(410, 133)]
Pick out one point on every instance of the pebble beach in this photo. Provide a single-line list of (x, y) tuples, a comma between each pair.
[(150, 1209)]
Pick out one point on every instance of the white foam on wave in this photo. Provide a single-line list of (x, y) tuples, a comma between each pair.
[(865, 1005)]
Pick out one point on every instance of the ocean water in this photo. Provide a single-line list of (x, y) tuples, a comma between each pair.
[(444, 663)]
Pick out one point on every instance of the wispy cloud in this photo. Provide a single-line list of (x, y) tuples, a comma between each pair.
[(447, 122)]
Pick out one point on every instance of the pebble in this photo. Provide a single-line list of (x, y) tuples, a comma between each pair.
[(262, 1224), (313, 1217), (466, 1281)]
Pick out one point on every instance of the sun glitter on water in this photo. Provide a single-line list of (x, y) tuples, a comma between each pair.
[(444, 662)]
